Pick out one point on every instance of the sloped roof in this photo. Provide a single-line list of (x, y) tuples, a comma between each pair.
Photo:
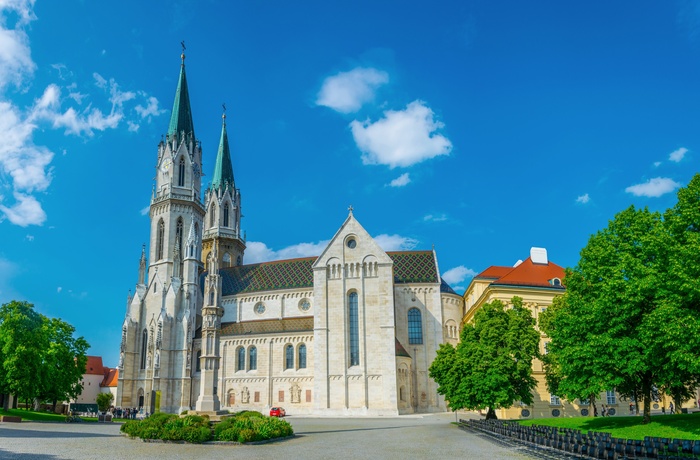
[(94, 365), (269, 326), (111, 377), (400, 350), (444, 287), (181, 116), (526, 274), (223, 170), (409, 267), (268, 276)]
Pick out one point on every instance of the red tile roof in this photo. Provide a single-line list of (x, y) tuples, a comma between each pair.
[(94, 365), (526, 274), (111, 377)]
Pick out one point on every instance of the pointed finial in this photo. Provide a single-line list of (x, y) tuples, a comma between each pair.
[(350, 208), (183, 51)]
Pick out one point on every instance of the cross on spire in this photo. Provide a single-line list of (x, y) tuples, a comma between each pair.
[(350, 208)]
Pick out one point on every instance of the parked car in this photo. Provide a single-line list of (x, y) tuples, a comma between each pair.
[(277, 412)]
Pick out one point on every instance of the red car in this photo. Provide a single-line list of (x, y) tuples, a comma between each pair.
[(277, 412)]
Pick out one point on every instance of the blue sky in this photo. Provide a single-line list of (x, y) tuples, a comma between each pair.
[(483, 128)]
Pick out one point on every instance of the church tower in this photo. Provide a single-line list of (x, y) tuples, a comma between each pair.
[(222, 201), (155, 361)]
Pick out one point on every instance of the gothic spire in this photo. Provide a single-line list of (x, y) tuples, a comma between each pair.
[(181, 117), (142, 266), (223, 171)]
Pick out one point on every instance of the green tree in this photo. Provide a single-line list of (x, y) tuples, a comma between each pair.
[(104, 401), (613, 326), (491, 367), (65, 360), (22, 344)]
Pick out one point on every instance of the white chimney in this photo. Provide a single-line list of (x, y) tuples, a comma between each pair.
[(539, 256), (518, 262)]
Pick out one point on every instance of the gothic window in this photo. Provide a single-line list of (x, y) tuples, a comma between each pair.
[(240, 364), (354, 329), (226, 215), (238, 260), (289, 357), (415, 327), (252, 358), (199, 361), (302, 356), (211, 297), (178, 234), (227, 260), (181, 173), (144, 348), (159, 239), (211, 215)]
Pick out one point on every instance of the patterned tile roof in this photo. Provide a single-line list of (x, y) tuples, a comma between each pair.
[(269, 326), (414, 267), (409, 267), (268, 276)]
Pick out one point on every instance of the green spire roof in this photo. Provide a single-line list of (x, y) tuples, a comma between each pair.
[(223, 171), (181, 117)]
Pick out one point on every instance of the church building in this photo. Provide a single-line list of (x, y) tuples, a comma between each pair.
[(352, 331)]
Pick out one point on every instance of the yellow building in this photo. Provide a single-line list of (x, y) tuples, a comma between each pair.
[(537, 281)]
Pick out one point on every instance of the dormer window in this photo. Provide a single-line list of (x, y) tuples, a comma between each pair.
[(555, 282)]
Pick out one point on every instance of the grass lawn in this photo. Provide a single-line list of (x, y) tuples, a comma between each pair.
[(34, 416), (683, 426)]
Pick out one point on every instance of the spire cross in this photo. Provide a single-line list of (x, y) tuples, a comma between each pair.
[(350, 208), (182, 43), (224, 114)]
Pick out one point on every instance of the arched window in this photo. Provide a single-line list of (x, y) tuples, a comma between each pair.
[(226, 215), (227, 260), (415, 327), (289, 357), (144, 348), (240, 364), (159, 239), (181, 173), (302, 356), (198, 367), (212, 210), (178, 234), (238, 260), (252, 359), (353, 329), (211, 297)]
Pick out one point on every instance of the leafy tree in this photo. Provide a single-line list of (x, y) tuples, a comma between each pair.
[(492, 365), (65, 360), (618, 325), (104, 401), (22, 344)]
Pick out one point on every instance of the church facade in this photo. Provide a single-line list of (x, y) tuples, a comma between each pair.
[(352, 331)]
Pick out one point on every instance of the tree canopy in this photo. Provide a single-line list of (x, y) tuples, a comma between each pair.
[(630, 317), (40, 359), (491, 367)]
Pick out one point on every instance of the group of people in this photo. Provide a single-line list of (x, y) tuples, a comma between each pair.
[(129, 412)]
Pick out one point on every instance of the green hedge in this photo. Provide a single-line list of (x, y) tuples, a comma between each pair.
[(245, 426)]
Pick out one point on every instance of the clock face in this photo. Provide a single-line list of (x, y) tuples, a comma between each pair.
[(167, 163)]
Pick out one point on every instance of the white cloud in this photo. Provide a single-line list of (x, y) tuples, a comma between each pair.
[(657, 164), (25, 211), (133, 127), (678, 154), (145, 211), (150, 110), (346, 92), (402, 138), (257, 251), (16, 63), (435, 218), (29, 238), (583, 199), (400, 181), (458, 274), (653, 187), (59, 289), (395, 242)]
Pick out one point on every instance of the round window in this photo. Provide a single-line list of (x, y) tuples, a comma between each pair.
[(260, 308), (556, 413), (352, 243), (304, 305), (584, 412), (524, 413), (611, 411)]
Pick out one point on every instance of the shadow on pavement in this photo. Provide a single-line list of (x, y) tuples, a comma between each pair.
[(301, 433), (14, 455), (51, 434)]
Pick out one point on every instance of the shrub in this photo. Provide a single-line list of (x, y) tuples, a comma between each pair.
[(246, 427), (246, 435), (169, 427)]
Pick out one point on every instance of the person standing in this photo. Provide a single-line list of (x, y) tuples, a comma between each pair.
[(670, 407)]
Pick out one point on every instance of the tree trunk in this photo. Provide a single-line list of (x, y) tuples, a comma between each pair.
[(594, 412), (677, 401), (491, 414), (646, 393), (54, 406)]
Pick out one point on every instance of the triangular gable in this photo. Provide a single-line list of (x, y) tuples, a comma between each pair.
[(366, 246)]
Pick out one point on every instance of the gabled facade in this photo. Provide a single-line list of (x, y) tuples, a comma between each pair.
[(350, 332)]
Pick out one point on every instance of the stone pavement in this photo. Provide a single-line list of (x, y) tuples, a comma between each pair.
[(413, 437)]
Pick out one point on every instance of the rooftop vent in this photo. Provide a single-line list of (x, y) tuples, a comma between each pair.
[(518, 262), (538, 256)]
